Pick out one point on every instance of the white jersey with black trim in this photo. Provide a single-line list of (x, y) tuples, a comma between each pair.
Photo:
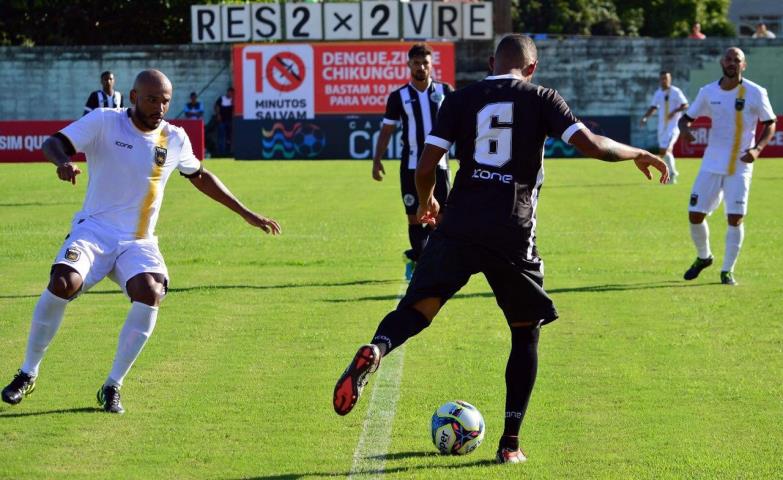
[(666, 101), (128, 169), (734, 114)]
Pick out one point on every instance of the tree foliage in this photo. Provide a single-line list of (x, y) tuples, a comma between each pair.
[(654, 18)]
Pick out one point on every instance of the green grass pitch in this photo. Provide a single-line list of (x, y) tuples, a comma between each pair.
[(643, 376)]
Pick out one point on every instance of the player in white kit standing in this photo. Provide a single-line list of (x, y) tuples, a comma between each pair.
[(735, 105), (670, 102), (131, 154)]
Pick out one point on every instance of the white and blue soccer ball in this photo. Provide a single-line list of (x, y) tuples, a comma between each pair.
[(457, 428)]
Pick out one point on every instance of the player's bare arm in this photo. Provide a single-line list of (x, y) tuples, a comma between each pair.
[(647, 115), (677, 110), (383, 142), (210, 185), (753, 153), (608, 150), (685, 127), (425, 184), (54, 151)]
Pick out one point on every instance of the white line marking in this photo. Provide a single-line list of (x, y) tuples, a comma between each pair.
[(369, 458)]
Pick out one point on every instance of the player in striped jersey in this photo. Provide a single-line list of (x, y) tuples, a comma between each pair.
[(670, 102), (131, 154), (416, 106), (735, 105), (106, 97)]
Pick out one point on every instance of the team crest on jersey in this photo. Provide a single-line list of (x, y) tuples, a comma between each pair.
[(72, 255), (436, 96), (739, 104), (408, 200), (160, 156), (694, 200)]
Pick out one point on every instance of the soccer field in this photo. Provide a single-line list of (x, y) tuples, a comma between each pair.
[(643, 376)]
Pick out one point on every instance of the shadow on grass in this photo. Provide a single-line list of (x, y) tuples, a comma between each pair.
[(609, 287), (377, 472), (6, 414), (197, 288)]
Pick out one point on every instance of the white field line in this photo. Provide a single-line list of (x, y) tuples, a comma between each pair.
[(369, 458)]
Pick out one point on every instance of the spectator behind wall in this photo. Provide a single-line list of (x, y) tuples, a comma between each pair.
[(762, 32), (696, 32), (224, 111), (194, 109), (106, 97)]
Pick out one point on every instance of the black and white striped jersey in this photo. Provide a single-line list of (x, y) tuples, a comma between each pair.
[(99, 99), (499, 126), (417, 112)]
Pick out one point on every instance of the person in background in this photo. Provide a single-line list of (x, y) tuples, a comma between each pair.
[(762, 32), (696, 32), (224, 111), (106, 97), (194, 109)]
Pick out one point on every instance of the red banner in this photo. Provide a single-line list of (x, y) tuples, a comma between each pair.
[(701, 130), (21, 140), (282, 81)]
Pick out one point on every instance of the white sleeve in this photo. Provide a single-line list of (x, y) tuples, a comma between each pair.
[(681, 98), (83, 132), (188, 163), (765, 109), (699, 106), (654, 102)]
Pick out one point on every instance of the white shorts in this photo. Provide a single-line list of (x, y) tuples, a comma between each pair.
[(710, 188), (95, 253), (667, 137)]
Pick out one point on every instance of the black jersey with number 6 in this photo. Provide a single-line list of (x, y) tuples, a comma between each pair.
[(499, 125)]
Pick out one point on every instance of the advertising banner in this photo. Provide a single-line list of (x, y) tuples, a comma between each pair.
[(354, 137), (701, 130), (303, 81), (21, 140)]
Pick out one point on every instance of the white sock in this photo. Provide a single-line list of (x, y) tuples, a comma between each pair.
[(734, 236), (134, 335), (669, 160), (700, 233), (47, 317)]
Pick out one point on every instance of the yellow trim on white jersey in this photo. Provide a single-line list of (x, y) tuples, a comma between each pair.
[(738, 128), (154, 187)]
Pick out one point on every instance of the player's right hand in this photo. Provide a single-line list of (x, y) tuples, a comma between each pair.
[(377, 170), (686, 132), (67, 172), (645, 160), (428, 212)]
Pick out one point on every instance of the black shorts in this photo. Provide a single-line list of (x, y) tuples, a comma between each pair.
[(408, 188), (446, 265)]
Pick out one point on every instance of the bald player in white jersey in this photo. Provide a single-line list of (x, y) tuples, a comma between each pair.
[(735, 105), (670, 102), (130, 154)]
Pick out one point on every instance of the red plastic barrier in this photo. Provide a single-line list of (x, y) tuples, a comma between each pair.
[(21, 140), (701, 130)]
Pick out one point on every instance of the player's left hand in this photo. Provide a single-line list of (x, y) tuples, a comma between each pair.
[(428, 211), (750, 155), (268, 225), (645, 160)]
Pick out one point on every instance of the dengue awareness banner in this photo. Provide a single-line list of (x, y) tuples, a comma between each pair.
[(21, 140), (302, 81), (701, 130)]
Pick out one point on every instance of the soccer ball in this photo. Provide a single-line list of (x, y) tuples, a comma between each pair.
[(309, 140), (457, 428)]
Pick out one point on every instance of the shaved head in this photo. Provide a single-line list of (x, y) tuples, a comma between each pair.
[(516, 51), (735, 51), (151, 96), (733, 64), (151, 78)]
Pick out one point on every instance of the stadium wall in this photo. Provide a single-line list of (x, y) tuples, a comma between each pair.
[(597, 76)]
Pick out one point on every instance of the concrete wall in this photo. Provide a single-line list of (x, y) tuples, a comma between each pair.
[(54, 82), (597, 76)]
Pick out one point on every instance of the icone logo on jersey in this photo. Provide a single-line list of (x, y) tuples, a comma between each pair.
[(123, 145), (481, 174)]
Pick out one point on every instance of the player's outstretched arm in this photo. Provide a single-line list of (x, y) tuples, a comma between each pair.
[(606, 149), (211, 186), (647, 114), (425, 184), (54, 151), (383, 142)]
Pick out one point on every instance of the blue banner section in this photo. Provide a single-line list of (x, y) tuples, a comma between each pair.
[(353, 137)]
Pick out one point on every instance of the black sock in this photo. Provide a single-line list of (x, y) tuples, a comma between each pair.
[(520, 378), (398, 326), (417, 235)]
